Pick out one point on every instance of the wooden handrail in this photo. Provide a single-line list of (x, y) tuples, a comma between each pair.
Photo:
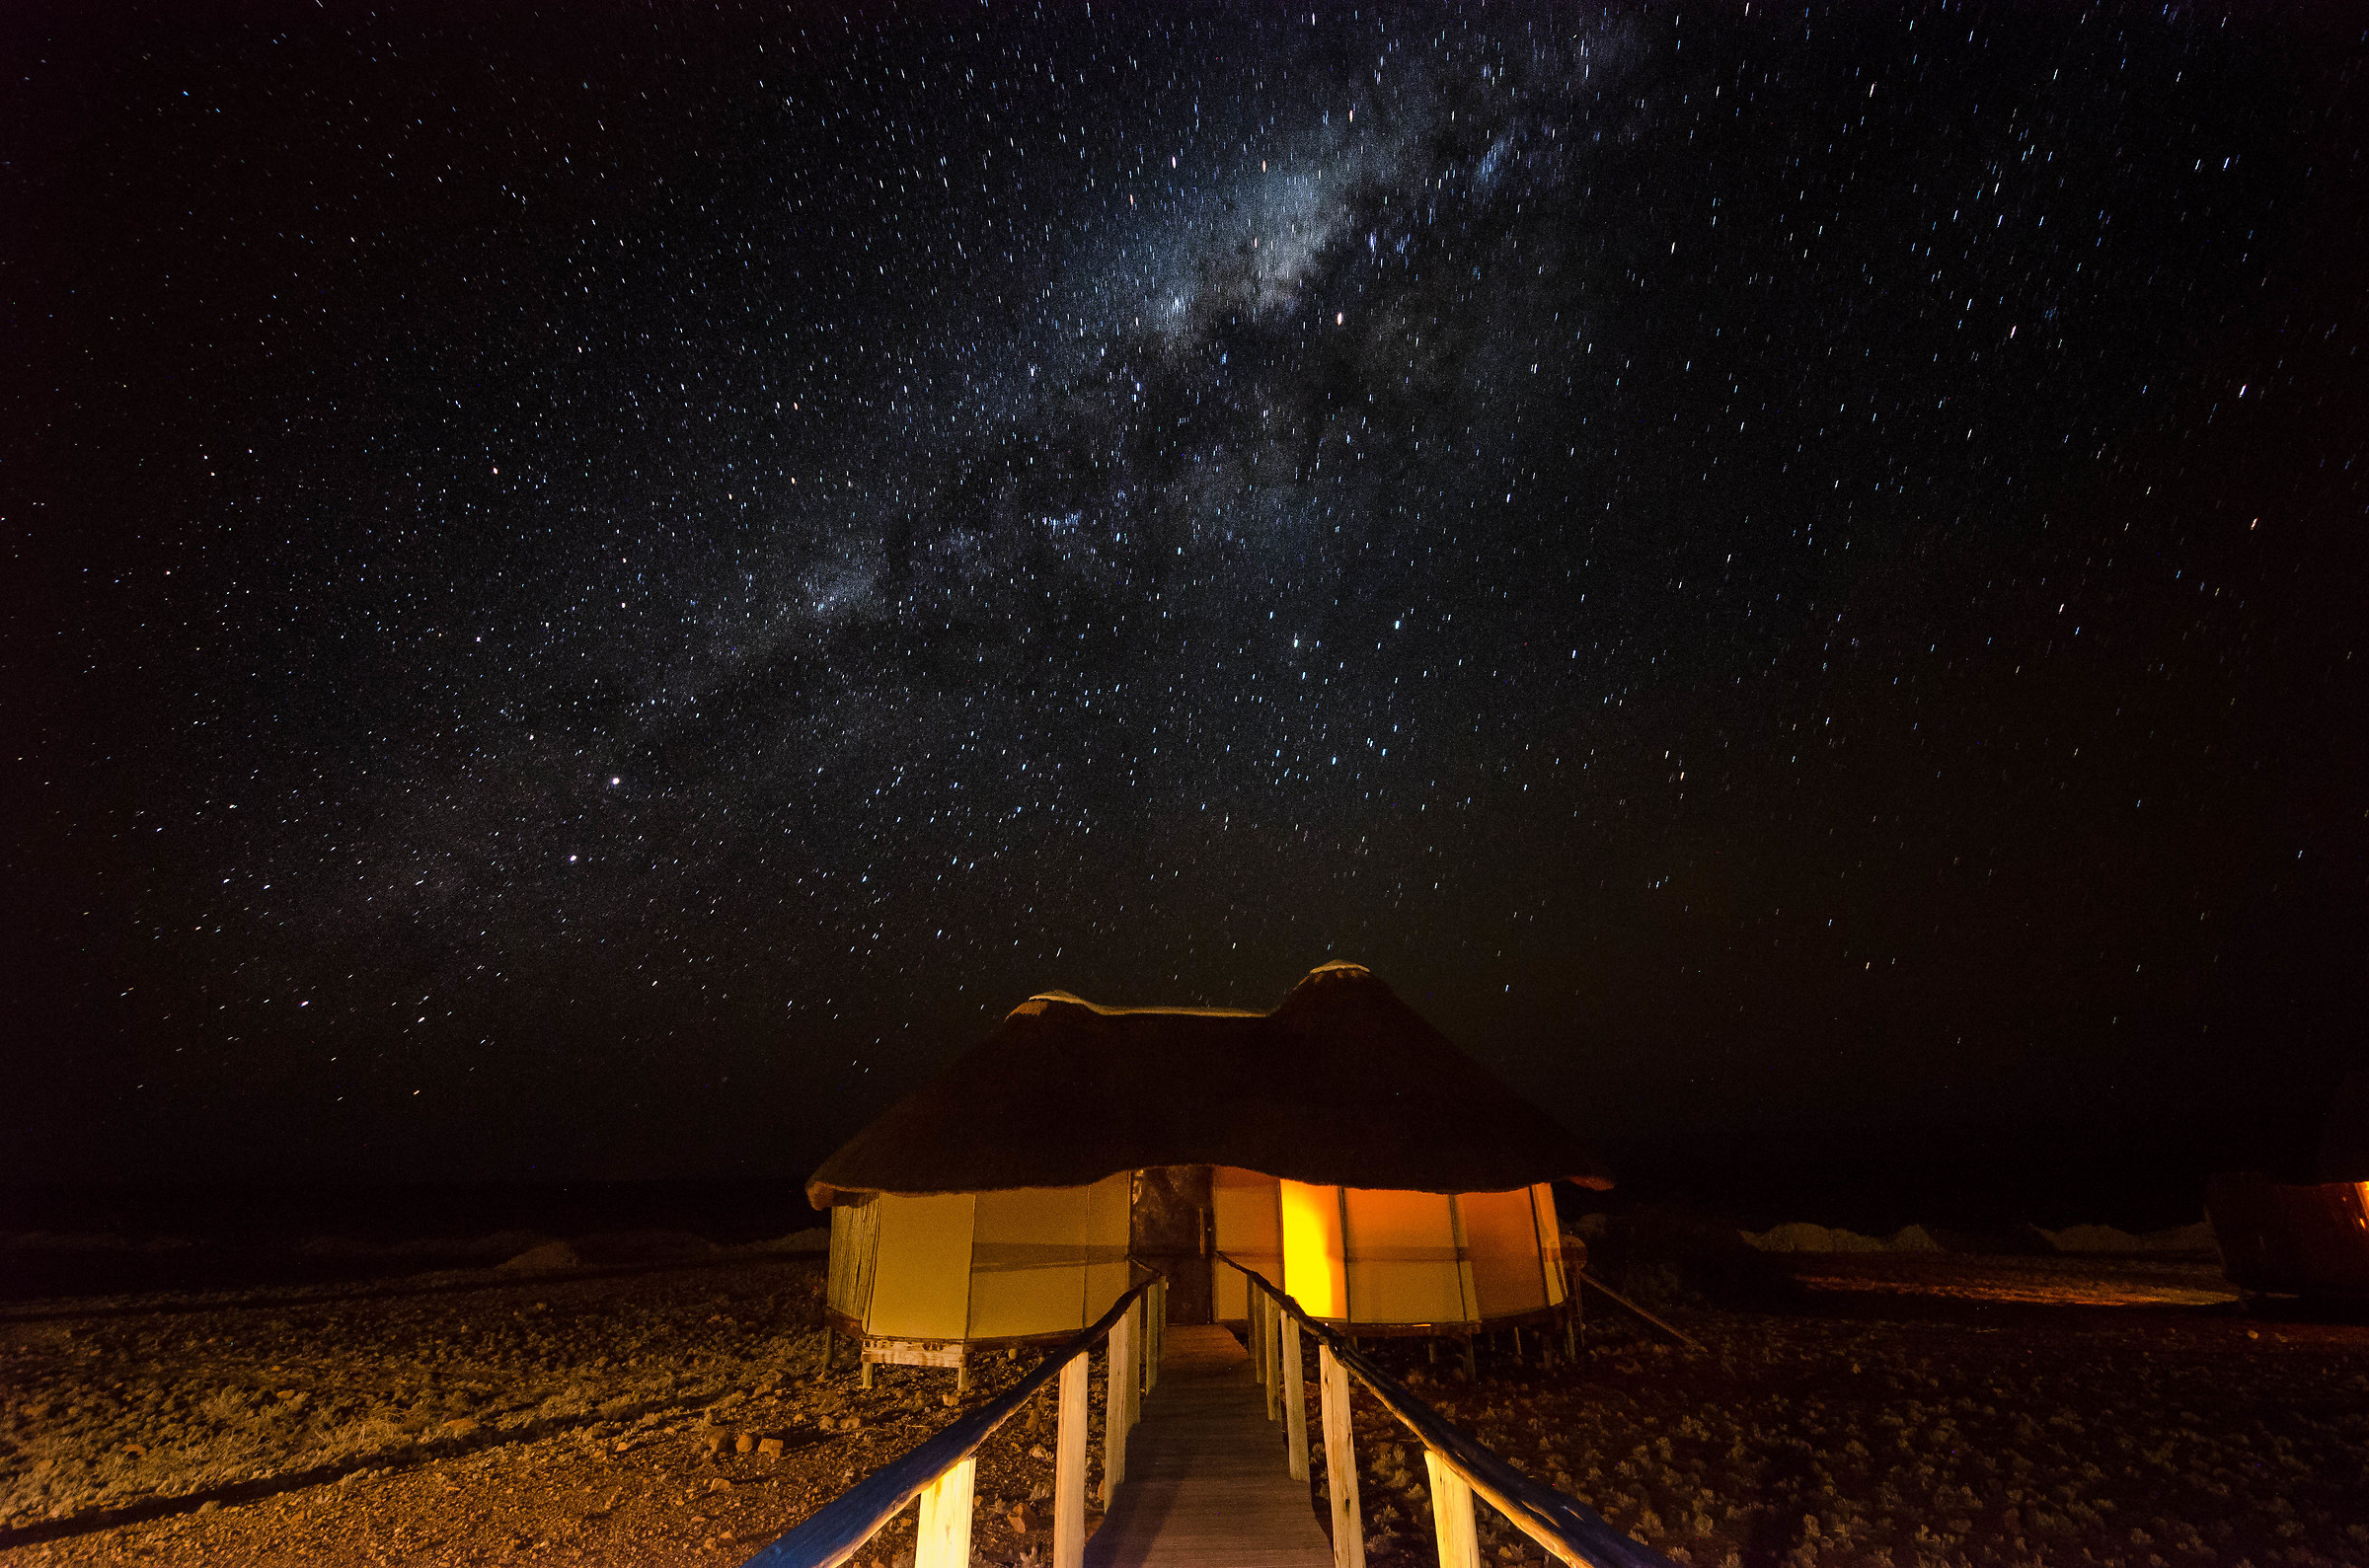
[(939, 1471), (1458, 1463)]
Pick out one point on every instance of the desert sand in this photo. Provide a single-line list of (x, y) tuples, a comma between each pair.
[(1908, 1408)]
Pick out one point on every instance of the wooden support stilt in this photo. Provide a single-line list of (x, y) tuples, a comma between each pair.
[(1069, 1468), (944, 1539), (1472, 1359), (1117, 1372), (1340, 1461), (1678, 1334), (962, 1373), (1452, 1516), (867, 1378), (830, 1343), (1295, 1403)]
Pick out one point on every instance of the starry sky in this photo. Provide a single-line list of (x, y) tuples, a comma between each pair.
[(593, 589)]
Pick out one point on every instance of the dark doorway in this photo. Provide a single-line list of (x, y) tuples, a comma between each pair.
[(1170, 1233)]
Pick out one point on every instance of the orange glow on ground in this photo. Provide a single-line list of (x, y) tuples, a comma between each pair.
[(2035, 1282)]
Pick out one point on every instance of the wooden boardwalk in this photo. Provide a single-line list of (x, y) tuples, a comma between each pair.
[(1206, 1484)]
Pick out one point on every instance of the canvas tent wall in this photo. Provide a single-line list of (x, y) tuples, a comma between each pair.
[(1023, 1263), (1382, 1260)]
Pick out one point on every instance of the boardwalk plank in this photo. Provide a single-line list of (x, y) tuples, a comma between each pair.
[(1206, 1482)]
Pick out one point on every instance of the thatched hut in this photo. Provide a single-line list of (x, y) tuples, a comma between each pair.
[(2278, 1238), (1340, 1144)]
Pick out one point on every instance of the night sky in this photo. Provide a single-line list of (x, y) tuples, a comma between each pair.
[(592, 590)]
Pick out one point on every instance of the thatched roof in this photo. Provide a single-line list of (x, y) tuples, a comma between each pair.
[(2345, 1131), (1343, 1083)]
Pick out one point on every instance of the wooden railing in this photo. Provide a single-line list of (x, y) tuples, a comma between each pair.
[(941, 1472), (1459, 1464)]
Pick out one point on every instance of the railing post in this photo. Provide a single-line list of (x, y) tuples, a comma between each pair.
[(1118, 1372), (1266, 1347), (944, 1539), (1140, 1374), (1253, 1329), (1340, 1461), (1274, 1317), (1069, 1468), (1258, 1345), (1452, 1516), (1135, 1332), (1159, 1338), (1295, 1402)]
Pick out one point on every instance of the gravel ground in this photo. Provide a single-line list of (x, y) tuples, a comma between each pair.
[(1938, 1411), (653, 1417), (1930, 1411)]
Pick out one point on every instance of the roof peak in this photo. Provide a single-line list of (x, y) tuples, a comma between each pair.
[(1044, 1001)]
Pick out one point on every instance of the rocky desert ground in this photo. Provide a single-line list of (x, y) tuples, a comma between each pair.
[(1888, 1409)]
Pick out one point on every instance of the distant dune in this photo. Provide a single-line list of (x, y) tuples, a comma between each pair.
[(1804, 1237)]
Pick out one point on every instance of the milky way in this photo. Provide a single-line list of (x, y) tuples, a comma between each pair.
[(612, 588)]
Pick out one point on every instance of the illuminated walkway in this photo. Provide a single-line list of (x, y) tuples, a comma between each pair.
[(1206, 1482)]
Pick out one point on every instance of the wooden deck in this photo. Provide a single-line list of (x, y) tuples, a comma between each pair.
[(1206, 1484)]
